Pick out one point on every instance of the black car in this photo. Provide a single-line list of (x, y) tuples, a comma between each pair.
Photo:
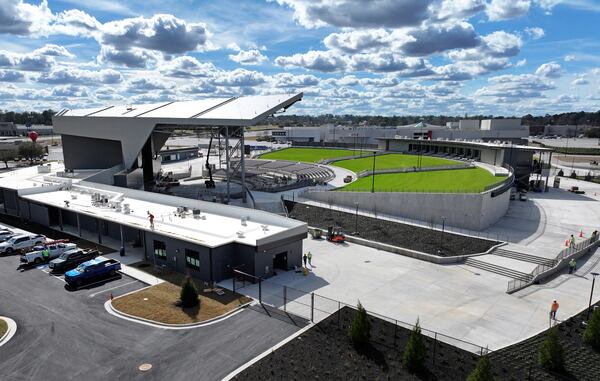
[(71, 259)]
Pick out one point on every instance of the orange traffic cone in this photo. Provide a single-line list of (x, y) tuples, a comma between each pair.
[(580, 233)]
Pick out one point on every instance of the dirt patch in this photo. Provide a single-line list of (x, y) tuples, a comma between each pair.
[(325, 352), (163, 299), (391, 233), (3, 327)]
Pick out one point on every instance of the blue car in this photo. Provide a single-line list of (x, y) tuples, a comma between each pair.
[(93, 269)]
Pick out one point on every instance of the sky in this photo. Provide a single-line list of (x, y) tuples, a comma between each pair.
[(377, 57)]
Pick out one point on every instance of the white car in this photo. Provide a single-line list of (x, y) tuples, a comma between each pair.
[(20, 242), (54, 251), (5, 234)]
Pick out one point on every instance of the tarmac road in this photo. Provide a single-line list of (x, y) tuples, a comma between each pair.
[(65, 335)]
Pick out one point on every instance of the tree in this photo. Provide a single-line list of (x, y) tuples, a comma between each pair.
[(592, 332), (483, 370), (7, 155), (551, 354), (189, 293), (30, 150), (360, 329), (415, 352)]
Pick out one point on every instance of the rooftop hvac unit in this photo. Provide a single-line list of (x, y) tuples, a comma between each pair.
[(126, 209), (180, 210), (240, 234), (196, 213), (243, 221)]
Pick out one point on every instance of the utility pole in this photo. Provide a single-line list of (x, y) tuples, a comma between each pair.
[(587, 318), (442, 234), (373, 174), (356, 220)]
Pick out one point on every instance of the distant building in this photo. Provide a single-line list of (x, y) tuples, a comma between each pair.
[(567, 130), (8, 129), (509, 130)]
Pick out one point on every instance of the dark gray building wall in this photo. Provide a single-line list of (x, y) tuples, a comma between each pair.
[(23, 209), (89, 153), (10, 200), (39, 214)]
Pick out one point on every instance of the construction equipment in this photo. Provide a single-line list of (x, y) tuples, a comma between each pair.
[(315, 233), (335, 234), (210, 183)]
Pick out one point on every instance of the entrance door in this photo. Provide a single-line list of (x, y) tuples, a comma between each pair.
[(280, 261)]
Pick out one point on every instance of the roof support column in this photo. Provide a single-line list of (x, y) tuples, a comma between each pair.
[(243, 163), (227, 158)]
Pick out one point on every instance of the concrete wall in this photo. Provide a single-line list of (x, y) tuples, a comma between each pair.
[(90, 153), (470, 211), (39, 214), (468, 124), (501, 124)]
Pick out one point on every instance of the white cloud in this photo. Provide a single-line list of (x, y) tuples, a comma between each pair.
[(28, 62), (535, 32), (72, 75), (289, 80), (511, 86), (325, 61), (520, 63), (351, 13), (53, 50), (549, 70), (359, 40), (248, 57), (570, 58), (18, 17), (498, 10), (187, 66), (11, 76), (133, 58), (238, 77)]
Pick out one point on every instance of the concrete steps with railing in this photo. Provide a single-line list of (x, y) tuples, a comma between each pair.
[(514, 274), (501, 252)]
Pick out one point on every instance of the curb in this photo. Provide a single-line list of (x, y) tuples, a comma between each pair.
[(122, 315), (266, 353), (10, 332)]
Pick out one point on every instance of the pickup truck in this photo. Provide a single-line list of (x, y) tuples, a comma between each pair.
[(21, 242), (71, 259), (96, 268), (54, 251)]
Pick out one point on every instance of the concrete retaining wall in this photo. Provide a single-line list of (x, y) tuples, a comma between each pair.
[(474, 211)]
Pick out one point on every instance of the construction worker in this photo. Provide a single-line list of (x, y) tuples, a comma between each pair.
[(572, 241), (45, 254), (151, 219), (553, 310), (309, 256), (572, 265)]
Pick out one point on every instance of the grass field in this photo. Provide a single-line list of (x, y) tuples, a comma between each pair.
[(308, 155), (393, 160), (471, 180)]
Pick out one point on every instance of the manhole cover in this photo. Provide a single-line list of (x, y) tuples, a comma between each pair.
[(145, 367)]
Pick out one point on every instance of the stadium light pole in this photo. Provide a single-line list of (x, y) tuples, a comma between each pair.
[(356, 220), (594, 275), (373, 174), (442, 234)]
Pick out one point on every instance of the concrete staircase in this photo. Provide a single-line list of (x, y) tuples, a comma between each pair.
[(514, 274), (522, 256)]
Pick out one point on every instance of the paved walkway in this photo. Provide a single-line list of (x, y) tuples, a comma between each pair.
[(456, 300)]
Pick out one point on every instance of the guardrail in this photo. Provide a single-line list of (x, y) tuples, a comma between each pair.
[(544, 270)]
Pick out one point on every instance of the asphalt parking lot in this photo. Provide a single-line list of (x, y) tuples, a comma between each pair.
[(67, 334)]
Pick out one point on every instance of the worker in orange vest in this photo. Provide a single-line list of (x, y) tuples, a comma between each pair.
[(553, 310)]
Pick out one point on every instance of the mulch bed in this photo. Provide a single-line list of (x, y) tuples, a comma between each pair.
[(324, 352), (391, 233)]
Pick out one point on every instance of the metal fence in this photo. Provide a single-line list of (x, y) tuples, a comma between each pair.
[(564, 255), (315, 308)]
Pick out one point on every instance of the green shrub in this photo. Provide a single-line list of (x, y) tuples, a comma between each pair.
[(415, 352), (592, 333), (573, 175), (189, 293), (482, 371), (360, 329), (551, 354)]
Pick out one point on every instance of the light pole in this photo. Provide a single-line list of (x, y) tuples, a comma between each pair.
[(442, 234), (356, 220), (307, 216), (594, 275), (373, 174)]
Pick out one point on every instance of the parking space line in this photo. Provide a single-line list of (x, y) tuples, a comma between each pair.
[(112, 288)]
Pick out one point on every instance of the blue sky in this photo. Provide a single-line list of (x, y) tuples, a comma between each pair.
[(387, 57)]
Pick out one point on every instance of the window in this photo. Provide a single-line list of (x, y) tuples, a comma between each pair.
[(160, 249), (192, 259)]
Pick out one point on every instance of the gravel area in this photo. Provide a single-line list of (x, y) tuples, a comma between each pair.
[(325, 353), (391, 233)]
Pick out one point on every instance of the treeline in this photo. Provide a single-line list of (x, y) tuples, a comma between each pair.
[(44, 117), (590, 118)]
